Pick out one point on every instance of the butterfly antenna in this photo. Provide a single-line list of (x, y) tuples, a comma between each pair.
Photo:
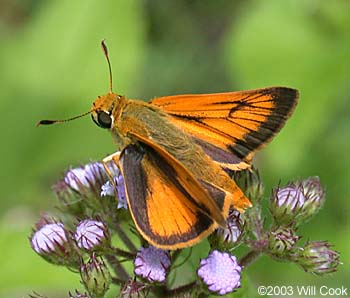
[(49, 122), (105, 52)]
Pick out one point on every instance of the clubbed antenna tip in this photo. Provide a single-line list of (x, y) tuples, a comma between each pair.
[(49, 122), (105, 52)]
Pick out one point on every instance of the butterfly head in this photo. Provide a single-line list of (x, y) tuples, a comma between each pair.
[(102, 109)]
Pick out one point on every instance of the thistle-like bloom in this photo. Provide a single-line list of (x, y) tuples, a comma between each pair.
[(86, 178), (281, 241), (315, 196), (95, 276), (297, 202), (51, 241), (230, 236), (108, 189), (152, 263), (49, 238), (91, 234), (80, 188), (220, 272), (317, 257)]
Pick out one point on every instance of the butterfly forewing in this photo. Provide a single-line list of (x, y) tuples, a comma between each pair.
[(237, 122)]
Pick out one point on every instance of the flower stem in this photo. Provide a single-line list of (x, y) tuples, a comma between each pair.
[(124, 237), (119, 270), (256, 223), (121, 253), (249, 258), (117, 281)]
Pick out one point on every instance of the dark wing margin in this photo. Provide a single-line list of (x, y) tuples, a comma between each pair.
[(163, 211), (283, 102)]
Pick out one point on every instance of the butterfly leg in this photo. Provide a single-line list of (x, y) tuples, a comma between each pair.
[(114, 157)]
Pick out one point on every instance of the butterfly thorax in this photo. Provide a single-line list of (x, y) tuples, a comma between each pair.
[(139, 120)]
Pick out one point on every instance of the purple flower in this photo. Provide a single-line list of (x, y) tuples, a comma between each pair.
[(49, 238), (315, 195), (80, 189), (234, 227), (291, 196), (90, 234), (52, 242), (121, 192), (220, 272), (297, 202), (108, 189), (86, 177), (152, 263)]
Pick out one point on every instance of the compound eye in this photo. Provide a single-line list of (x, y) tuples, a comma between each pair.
[(104, 120)]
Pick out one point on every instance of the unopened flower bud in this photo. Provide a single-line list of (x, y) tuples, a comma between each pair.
[(91, 234), (52, 242), (317, 257), (134, 288), (297, 202), (315, 197), (95, 277), (220, 272), (281, 241), (286, 203)]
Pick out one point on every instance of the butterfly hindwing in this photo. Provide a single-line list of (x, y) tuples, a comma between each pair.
[(163, 211)]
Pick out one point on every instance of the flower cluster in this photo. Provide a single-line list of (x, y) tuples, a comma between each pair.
[(95, 237)]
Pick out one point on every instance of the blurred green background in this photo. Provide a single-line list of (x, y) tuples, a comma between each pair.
[(51, 66)]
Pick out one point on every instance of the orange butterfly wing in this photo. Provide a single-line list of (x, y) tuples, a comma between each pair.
[(237, 123)]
